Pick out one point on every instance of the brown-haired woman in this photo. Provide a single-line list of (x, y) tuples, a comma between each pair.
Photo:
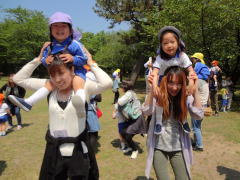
[(168, 134)]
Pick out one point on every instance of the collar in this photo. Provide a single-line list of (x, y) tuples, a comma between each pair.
[(64, 43)]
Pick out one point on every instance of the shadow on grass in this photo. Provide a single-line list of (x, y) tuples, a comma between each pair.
[(230, 173), (116, 144), (143, 178), (15, 126), (3, 165)]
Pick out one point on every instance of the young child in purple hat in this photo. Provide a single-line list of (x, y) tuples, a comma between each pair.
[(70, 50)]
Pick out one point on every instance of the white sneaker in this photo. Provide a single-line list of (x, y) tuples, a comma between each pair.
[(9, 127), (134, 154), (126, 150), (0, 133), (19, 127), (3, 133)]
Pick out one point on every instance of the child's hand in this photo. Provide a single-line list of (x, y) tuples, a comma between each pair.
[(66, 58), (49, 59), (45, 45)]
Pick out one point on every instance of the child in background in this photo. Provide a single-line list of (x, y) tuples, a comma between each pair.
[(171, 53), (4, 115), (70, 50), (224, 94), (115, 87)]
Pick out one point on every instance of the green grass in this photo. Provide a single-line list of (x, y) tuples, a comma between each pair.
[(21, 152)]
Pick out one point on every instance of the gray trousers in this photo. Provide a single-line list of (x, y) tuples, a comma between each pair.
[(160, 164)]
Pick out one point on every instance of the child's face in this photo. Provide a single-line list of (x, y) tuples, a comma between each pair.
[(169, 44), (60, 31)]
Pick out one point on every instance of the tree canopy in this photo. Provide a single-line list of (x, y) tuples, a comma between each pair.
[(210, 27)]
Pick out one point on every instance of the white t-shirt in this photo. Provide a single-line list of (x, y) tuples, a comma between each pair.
[(182, 61), (3, 109)]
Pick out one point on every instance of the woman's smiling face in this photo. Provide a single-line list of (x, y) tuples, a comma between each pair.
[(62, 78), (174, 85)]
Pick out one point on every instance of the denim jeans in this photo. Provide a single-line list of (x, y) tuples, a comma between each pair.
[(15, 111), (196, 126)]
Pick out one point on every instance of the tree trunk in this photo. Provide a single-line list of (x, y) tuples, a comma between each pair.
[(136, 69)]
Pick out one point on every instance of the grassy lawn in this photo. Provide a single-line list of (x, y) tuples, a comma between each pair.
[(21, 151)]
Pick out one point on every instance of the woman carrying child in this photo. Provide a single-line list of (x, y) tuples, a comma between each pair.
[(170, 106), (68, 153)]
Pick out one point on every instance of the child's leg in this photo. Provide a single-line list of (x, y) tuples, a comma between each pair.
[(78, 85), (26, 104), (40, 94)]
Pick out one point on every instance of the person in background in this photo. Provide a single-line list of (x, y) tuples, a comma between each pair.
[(213, 89), (4, 115), (224, 93), (115, 87), (10, 88), (228, 84), (135, 126), (203, 73)]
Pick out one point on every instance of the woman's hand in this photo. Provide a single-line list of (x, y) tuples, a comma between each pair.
[(194, 79), (89, 56)]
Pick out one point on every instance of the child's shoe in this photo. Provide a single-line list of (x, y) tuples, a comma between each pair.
[(134, 154), (157, 129), (20, 102)]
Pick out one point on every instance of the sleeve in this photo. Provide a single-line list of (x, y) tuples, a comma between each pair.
[(23, 76), (156, 64), (79, 56), (125, 98), (148, 109), (186, 61), (195, 113), (102, 83), (45, 55)]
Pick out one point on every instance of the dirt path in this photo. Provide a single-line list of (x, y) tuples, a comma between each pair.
[(219, 160)]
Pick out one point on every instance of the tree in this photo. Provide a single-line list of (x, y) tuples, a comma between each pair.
[(117, 11), (22, 34)]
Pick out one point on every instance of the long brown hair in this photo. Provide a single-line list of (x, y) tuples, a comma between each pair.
[(178, 102)]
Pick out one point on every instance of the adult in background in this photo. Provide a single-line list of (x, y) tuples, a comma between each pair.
[(135, 125), (92, 117), (203, 73), (68, 153), (170, 107), (213, 89), (10, 88)]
